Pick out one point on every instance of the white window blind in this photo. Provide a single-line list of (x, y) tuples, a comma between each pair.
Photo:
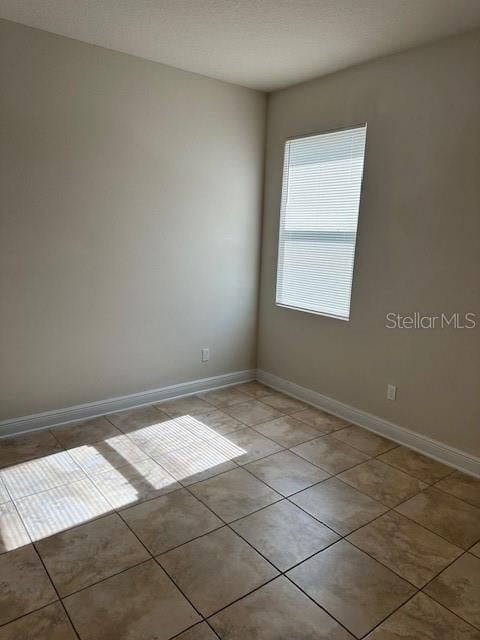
[(322, 178)]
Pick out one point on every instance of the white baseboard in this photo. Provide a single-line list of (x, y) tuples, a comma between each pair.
[(432, 448), (89, 410), (437, 450)]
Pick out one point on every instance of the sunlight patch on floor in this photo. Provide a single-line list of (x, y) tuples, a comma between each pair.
[(56, 492)]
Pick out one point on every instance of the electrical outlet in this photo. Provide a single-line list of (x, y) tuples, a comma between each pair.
[(391, 392), (205, 355)]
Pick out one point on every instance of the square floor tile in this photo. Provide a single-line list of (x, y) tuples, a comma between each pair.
[(284, 534), (462, 486), (139, 603), (453, 519), (475, 550), (234, 494), (458, 588), (210, 425), (287, 431), (225, 397), (134, 419), (200, 460), (12, 531), (382, 482), (79, 433), (199, 632), (169, 521), (49, 623), (41, 474), (216, 569), (283, 403), (250, 444), (253, 412), (254, 389), (24, 584), (339, 506), (163, 437), (330, 454), (109, 454), (187, 406), (423, 619), (26, 447), (136, 482), (358, 591), (416, 464), (286, 472), (405, 547), (89, 553), (320, 420), (278, 610), (58, 509), (366, 441)]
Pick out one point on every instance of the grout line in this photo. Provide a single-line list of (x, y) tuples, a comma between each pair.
[(197, 624), (155, 558), (468, 622), (181, 544), (113, 575), (35, 457), (23, 523), (262, 458), (51, 431), (73, 527), (380, 561), (36, 610), (396, 468), (323, 608), (389, 615), (213, 630), (192, 626), (279, 574), (293, 566), (227, 525), (422, 590), (389, 509), (55, 486), (425, 526), (434, 486), (368, 523), (56, 591), (169, 577), (158, 564), (215, 613), (117, 511)]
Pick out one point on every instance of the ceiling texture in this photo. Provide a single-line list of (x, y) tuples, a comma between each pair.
[(262, 44)]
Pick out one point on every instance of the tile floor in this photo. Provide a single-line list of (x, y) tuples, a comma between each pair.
[(239, 514)]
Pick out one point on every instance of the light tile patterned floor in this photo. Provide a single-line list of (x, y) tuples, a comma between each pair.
[(239, 513)]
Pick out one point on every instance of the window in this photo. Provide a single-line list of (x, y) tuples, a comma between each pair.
[(322, 179)]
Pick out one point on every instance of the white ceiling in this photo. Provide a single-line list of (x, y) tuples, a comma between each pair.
[(264, 44)]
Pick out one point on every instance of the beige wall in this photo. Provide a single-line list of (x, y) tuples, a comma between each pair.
[(130, 223), (417, 245), (130, 214)]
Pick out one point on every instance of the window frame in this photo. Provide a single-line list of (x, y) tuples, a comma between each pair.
[(283, 187)]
